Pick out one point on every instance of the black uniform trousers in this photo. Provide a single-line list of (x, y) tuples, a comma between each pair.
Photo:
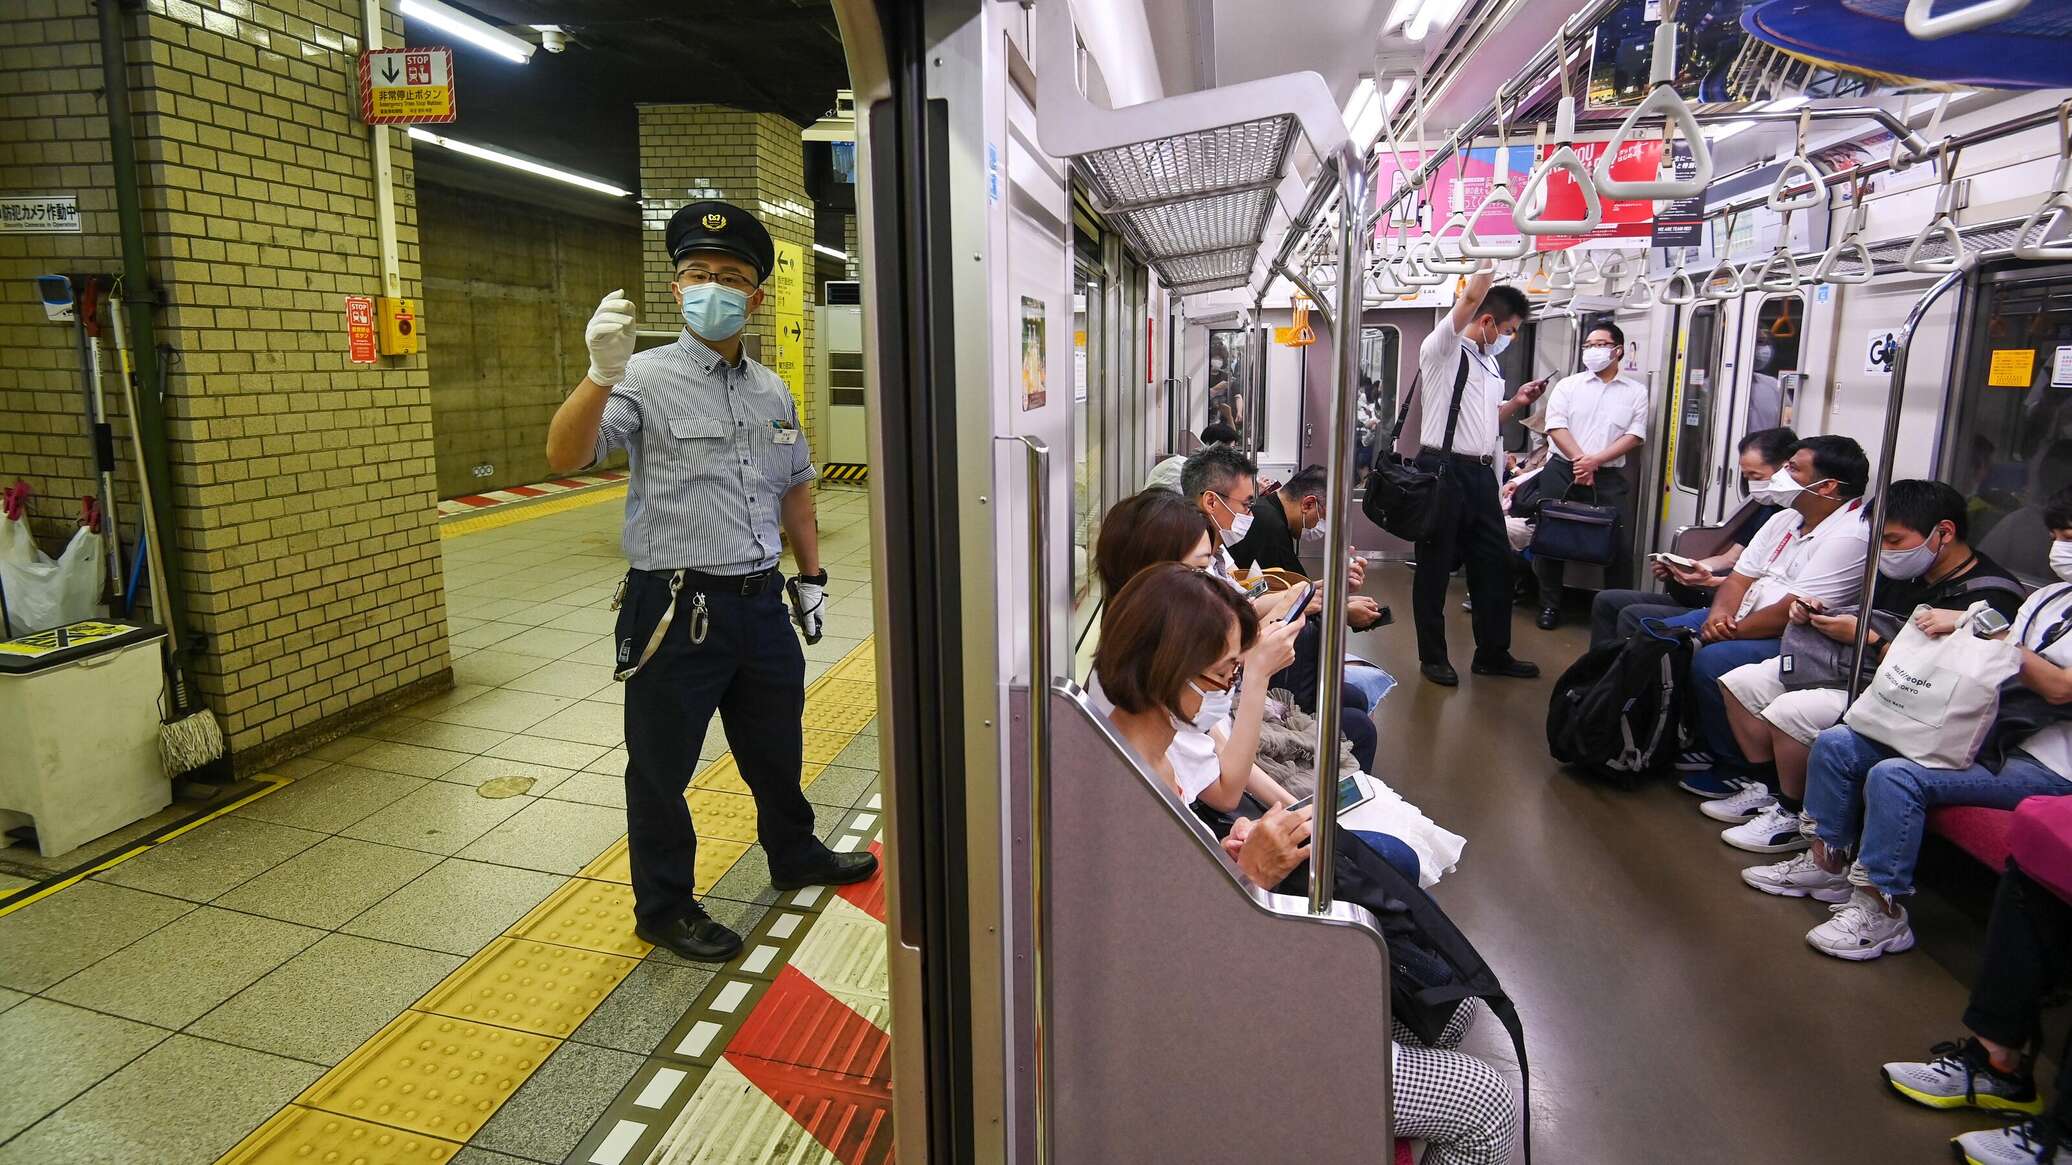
[(750, 670), (1470, 530), (2028, 962), (1612, 489)]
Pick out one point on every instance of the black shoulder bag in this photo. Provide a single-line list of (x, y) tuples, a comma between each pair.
[(1403, 497)]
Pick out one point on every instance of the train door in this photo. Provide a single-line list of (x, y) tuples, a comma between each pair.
[(1092, 406), (1690, 412), (1767, 389)]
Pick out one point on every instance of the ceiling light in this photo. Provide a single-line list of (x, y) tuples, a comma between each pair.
[(1417, 18), (517, 163), (479, 33), (1725, 130), (830, 252)]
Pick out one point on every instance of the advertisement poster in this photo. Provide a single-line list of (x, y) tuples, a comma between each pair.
[(1473, 182), (1623, 218), (1035, 384), (1681, 223)]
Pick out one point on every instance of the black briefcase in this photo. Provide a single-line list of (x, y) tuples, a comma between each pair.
[(1403, 497), (1576, 531)]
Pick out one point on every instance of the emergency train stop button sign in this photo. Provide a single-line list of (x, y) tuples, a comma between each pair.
[(406, 86)]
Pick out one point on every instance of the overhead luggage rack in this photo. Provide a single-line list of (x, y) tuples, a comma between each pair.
[(1195, 205)]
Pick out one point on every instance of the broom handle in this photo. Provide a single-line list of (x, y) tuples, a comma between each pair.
[(182, 699)]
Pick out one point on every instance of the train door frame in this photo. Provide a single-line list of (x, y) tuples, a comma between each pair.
[(1670, 517), (1748, 332)]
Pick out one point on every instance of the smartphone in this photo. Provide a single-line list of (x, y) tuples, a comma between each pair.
[(1351, 793), (1295, 611), (1988, 623), (1677, 560)]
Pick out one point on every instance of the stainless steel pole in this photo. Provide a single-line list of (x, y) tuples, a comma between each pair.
[(1255, 381), (1903, 346), (1039, 779), (1345, 340)]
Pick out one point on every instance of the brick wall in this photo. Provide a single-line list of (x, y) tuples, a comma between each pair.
[(509, 287), (754, 160), (303, 485)]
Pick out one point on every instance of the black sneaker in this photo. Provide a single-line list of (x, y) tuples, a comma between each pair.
[(828, 868), (1440, 673)]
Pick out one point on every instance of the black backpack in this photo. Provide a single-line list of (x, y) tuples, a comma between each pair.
[(1621, 712)]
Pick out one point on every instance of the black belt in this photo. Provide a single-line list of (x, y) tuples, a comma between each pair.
[(1482, 459), (721, 584)]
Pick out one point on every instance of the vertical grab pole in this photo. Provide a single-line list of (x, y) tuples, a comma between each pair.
[(1039, 777), (1355, 193), (1902, 347), (1255, 380)]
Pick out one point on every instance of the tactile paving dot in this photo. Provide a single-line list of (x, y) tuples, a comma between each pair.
[(845, 718), (716, 855), (611, 865), (529, 985), (593, 915), (431, 1074), (296, 1134), (724, 775), (721, 815), (823, 747)]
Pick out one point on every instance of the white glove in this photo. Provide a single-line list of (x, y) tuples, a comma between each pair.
[(808, 602), (610, 338)]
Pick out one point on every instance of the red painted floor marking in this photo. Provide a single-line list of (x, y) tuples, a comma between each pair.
[(525, 491), (827, 1066), (869, 895)]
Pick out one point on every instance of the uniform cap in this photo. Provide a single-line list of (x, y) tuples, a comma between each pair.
[(721, 226)]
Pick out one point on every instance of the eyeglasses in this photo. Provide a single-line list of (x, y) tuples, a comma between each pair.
[(1230, 504), (731, 280), (1224, 682), (1600, 344)]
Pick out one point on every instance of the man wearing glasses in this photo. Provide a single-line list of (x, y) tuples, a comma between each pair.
[(718, 467), (1594, 419)]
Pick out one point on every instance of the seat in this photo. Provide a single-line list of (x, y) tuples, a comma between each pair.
[(1975, 829), (1706, 541)]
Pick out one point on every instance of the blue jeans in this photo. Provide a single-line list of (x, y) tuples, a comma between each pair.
[(1372, 682), (1867, 798), (1708, 664)]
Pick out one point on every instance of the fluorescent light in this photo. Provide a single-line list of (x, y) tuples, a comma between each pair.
[(517, 163), (1432, 14), (1722, 132), (830, 252), (479, 33)]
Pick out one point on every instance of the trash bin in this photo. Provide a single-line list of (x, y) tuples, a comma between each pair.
[(79, 717)]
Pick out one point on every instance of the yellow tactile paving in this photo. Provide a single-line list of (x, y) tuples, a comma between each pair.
[(845, 718), (430, 1074), (529, 985), (716, 855), (586, 913), (722, 815), (722, 775), (823, 747), (307, 1134)]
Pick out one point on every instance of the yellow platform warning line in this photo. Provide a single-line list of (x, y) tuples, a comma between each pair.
[(514, 512), (434, 1075)]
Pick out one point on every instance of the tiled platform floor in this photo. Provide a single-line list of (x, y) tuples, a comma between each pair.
[(165, 1008)]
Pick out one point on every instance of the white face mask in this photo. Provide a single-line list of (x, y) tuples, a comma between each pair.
[(1495, 348), (1913, 562), (1240, 524), (1214, 710), (1784, 489), (1597, 359), (2061, 560), (1764, 353), (1314, 533)]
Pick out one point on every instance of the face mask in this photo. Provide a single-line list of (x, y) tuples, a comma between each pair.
[(1764, 353), (1912, 562), (1597, 359), (1496, 347), (713, 312), (1314, 533), (2061, 560), (1214, 710), (1240, 524), (1784, 489)]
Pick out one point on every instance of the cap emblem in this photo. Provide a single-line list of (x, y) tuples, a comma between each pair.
[(715, 222)]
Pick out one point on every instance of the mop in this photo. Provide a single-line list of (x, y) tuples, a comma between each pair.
[(190, 738)]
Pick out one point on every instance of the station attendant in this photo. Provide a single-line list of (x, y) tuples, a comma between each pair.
[(1594, 420), (1466, 340), (718, 466)]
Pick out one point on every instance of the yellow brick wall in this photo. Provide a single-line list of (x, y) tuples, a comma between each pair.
[(753, 160), (303, 485)]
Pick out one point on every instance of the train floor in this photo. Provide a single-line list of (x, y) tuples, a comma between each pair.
[(417, 945), (1672, 1013)]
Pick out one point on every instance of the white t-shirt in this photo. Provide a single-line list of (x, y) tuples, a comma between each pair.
[(1596, 412), (2039, 616), (1438, 360), (1825, 563), (1192, 754)]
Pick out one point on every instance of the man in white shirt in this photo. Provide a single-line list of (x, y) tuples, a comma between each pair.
[(1458, 362), (1811, 551), (1595, 418)]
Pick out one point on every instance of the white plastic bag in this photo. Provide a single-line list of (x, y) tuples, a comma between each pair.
[(44, 592), (1935, 698)]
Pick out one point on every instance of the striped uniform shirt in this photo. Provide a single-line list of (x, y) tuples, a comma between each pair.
[(714, 448)]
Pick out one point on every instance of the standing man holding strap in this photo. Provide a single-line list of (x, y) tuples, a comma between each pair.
[(1464, 405), (718, 466)]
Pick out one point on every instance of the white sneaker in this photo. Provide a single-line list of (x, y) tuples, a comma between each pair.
[(2013, 1145), (1773, 831), (1798, 876), (1861, 930), (1743, 804)]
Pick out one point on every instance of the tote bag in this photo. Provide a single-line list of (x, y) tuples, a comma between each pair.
[(1933, 700)]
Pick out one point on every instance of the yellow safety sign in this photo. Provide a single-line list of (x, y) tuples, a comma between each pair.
[(412, 86), (788, 281), (2012, 368), (60, 638), (790, 361)]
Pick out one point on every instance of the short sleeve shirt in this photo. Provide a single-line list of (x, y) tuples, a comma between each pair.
[(1439, 361), (1825, 563), (1597, 412)]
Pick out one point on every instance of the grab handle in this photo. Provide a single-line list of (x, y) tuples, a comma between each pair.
[(2039, 222), (1671, 297), (1565, 159), (1848, 244), (1924, 24), (1723, 282), (1639, 297), (1942, 224), (1463, 263), (1662, 98)]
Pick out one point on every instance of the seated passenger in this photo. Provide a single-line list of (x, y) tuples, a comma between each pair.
[(1865, 800), (1812, 549), (1166, 474), (1616, 615), (1925, 561), (1282, 521), (1169, 627), (1155, 527)]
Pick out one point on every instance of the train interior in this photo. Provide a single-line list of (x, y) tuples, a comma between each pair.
[(320, 274)]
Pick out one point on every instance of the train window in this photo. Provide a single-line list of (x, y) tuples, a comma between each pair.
[(1776, 355), (1227, 403), (1089, 392), (1694, 402), (2011, 446), (1380, 358)]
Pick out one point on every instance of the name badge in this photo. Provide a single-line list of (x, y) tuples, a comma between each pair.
[(787, 436)]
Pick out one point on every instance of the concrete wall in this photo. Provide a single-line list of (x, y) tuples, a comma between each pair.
[(509, 286), (303, 485)]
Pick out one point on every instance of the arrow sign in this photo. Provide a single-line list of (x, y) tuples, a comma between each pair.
[(784, 261), (797, 332), (389, 74)]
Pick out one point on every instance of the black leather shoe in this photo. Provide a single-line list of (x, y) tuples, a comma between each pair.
[(1511, 666), (829, 869), (1550, 618), (694, 936), (1440, 673)]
